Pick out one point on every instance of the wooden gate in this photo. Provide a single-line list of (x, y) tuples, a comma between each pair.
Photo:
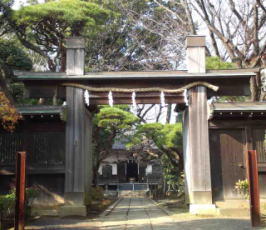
[(227, 161)]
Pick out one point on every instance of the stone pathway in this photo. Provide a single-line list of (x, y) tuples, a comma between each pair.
[(140, 214)]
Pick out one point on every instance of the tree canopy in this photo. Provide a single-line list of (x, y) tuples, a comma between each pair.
[(167, 138), (144, 36), (44, 27), (216, 63), (120, 34), (115, 119), (11, 57)]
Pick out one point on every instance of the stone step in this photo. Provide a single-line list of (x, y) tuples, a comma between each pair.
[(45, 211), (233, 204), (233, 208), (237, 212)]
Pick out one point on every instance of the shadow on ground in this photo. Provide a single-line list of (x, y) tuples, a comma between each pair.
[(206, 224)]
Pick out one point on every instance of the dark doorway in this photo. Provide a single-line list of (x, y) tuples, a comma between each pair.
[(227, 162), (121, 167), (132, 171), (107, 171)]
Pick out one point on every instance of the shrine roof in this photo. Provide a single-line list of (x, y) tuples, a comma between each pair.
[(211, 74), (239, 111), (239, 106)]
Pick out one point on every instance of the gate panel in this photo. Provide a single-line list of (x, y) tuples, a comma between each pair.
[(227, 160)]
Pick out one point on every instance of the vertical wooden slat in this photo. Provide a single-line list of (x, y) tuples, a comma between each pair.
[(20, 190), (253, 178), (258, 136)]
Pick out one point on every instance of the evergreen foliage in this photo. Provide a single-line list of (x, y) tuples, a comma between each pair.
[(43, 28), (64, 17), (114, 119), (12, 57), (167, 138), (217, 63), (164, 136)]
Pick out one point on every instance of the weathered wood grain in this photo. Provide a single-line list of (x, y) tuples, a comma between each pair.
[(78, 143), (199, 146), (227, 157)]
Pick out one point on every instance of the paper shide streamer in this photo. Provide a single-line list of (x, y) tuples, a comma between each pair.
[(162, 99), (87, 97), (134, 103), (110, 99), (185, 95)]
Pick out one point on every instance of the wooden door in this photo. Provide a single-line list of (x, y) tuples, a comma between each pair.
[(122, 172), (227, 161)]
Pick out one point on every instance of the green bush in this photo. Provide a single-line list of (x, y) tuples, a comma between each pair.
[(94, 194), (241, 186), (97, 193), (7, 202)]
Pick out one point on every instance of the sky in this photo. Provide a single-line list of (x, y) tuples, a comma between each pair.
[(18, 3)]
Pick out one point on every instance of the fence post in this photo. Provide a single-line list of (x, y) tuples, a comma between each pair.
[(253, 179), (20, 190)]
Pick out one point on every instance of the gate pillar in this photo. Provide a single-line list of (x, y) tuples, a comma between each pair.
[(78, 163), (196, 134)]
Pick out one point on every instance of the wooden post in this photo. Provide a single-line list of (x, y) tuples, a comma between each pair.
[(75, 62), (196, 135), (253, 179), (78, 166), (20, 190)]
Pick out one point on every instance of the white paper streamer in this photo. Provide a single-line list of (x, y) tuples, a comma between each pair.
[(110, 99), (162, 99), (134, 103), (185, 97), (87, 97)]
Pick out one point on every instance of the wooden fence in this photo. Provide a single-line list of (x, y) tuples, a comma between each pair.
[(44, 149)]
